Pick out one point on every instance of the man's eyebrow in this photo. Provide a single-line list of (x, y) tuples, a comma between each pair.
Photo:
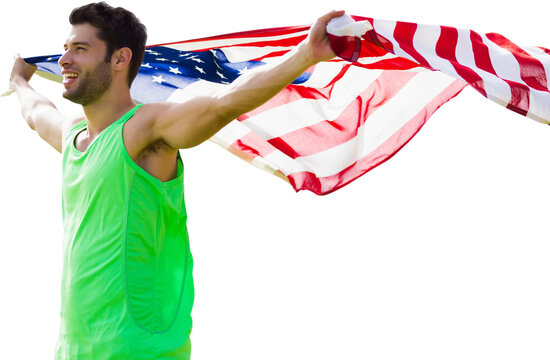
[(78, 43)]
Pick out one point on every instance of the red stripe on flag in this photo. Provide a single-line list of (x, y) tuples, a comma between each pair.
[(372, 46), (396, 63), (373, 37), (253, 145), (262, 33), (331, 133), (361, 18), (351, 48), (296, 92), (519, 101), (446, 49), (531, 70), (346, 47), (286, 42), (326, 185), (520, 98), (385, 43), (404, 35), (482, 58), (271, 55)]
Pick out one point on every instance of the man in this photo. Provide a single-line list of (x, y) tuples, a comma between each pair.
[(127, 288)]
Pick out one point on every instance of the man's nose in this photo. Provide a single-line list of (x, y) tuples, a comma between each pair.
[(64, 59)]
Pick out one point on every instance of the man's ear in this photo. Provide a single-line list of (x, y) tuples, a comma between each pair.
[(121, 58)]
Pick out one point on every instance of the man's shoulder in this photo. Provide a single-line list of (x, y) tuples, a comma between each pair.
[(70, 122), (149, 113)]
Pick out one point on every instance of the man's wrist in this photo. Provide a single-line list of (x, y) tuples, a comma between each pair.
[(304, 54), (18, 81)]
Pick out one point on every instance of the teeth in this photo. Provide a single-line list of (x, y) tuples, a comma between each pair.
[(71, 75)]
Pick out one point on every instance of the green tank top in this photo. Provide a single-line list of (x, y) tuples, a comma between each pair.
[(127, 286)]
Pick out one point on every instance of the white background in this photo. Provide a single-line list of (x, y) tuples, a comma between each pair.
[(440, 253)]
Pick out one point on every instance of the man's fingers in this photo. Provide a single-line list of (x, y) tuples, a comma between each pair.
[(21, 69), (331, 15)]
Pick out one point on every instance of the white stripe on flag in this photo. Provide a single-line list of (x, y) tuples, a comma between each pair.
[(424, 41), (231, 133), (464, 50), (198, 88), (543, 57), (386, 29), (374, 59), (323, 74), (381, 125), (406, 104), (245, 53), (497, 89), (290, 117), (539, 106), (505, 64), (197, 45)]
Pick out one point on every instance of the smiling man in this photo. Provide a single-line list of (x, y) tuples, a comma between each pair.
[(127, 286)]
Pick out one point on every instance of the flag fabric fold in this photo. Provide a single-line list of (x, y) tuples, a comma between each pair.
[(511, 75), (342, 117)]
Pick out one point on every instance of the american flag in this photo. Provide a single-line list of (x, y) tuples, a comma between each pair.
[(343, 117)]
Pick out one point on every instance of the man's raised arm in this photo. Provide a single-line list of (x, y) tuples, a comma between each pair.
[(190, 123), (39, 112)]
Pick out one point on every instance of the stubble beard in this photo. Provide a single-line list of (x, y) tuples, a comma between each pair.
[(92, 85)]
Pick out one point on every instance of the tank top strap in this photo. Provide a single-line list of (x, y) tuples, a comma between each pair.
[(78, 127), (129, 114), (73, 131)]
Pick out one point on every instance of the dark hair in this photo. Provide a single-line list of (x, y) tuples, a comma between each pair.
[(118, 28)]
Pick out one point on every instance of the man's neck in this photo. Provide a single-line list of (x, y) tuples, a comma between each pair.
[(106, 110)]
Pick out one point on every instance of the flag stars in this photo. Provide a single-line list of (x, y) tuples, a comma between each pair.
[(195, 58), (243, 70), (158, 79), (175, 70)]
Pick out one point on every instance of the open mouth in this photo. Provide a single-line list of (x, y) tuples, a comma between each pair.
[(69, 78)]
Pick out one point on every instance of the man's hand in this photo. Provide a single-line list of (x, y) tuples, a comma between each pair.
[(21, 71), (317, 42)]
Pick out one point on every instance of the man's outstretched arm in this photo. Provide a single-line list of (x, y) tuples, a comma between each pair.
[(39, 112), (190, 123)]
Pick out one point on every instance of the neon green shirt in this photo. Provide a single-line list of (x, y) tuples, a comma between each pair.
[(127, 286)]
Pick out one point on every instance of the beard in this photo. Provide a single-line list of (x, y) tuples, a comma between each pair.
[(91, 85)]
